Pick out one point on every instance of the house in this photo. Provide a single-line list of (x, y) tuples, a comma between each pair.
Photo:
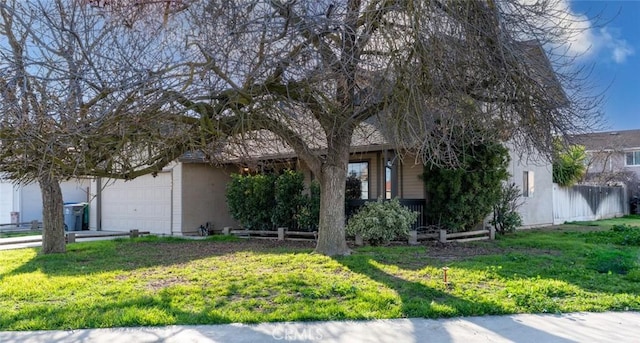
[(191, 192), (23, 203), (613, 158), (533, 175)]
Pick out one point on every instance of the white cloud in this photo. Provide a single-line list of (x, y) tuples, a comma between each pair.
[(588, 41), (620, 49)]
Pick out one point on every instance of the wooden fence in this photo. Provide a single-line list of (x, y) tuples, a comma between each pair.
[(281, 234), (584, 202), (414, 238), (72, 237)]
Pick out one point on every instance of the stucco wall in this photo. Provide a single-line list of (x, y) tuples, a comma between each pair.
[(536, 209), (6, 202), (203, 197), (30, 198)]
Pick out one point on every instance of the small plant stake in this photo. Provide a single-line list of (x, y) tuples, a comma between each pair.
[(444, 269)]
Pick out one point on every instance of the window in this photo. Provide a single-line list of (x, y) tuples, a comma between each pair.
[(527, 184), (387, 182), (633, 158), (360, 170)]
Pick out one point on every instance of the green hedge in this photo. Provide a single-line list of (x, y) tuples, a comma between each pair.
[(460, 198), (268, 201)]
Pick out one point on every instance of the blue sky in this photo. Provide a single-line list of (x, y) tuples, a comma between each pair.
[(613, 49)]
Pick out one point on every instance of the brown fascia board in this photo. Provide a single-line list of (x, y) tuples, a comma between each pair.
[(283, 156)]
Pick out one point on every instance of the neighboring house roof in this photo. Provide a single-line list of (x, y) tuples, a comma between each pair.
[(610, 140)]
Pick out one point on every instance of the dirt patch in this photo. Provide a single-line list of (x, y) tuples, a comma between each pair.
[(184, 251), (456, 251), (158, 284), (453, 251), (202, 248)]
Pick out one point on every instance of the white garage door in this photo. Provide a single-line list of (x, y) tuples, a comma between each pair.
[(143, 203), (6, 202)]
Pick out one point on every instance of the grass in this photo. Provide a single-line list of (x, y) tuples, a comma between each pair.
[(164, 281), (9, 234), (632, 219)]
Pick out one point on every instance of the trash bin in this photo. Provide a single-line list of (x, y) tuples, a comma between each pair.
[(85, 217), (74, 216), (635, 205)]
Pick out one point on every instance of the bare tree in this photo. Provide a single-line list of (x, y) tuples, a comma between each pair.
[(314, 73), (74, 103)]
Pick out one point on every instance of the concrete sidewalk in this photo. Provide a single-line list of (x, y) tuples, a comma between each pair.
[(575, 327), (34, 241)]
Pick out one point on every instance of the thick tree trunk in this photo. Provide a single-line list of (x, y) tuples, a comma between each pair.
[(331, 232), (52, 215)]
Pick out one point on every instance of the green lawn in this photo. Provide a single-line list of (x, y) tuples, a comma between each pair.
[(20, 233), (153, 281), (633, 219)]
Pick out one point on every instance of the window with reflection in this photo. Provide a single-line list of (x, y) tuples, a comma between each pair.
[(360, 171)]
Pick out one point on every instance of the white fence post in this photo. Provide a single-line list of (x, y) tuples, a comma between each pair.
[(443, 236), (71, 237), (281, 231), (413, 237)]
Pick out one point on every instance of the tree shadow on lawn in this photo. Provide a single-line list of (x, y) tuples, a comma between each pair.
[(143, 310), (417, 300), (127, 255), (580, 272), (420, 301), (512, 263)]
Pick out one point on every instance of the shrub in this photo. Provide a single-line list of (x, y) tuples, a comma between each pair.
[(505, 212), (287, 197), (460, 198), (308, 217), (381, 221), (568, 164), (267, 201), (251, 200)]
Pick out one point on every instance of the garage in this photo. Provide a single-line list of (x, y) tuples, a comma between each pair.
[(143, 204)]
